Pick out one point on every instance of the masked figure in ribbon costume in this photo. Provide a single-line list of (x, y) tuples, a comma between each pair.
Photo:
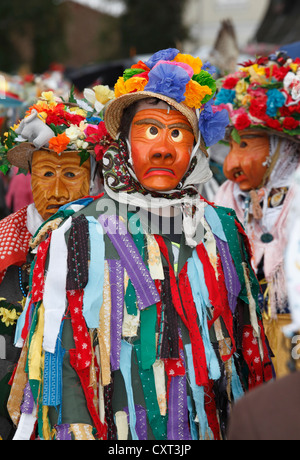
[(263, 101), (271, 411), (64, 169), (145, 330)]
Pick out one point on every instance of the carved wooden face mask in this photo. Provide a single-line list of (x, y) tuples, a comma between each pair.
[(57, 180), (246, 162), (161, 145)]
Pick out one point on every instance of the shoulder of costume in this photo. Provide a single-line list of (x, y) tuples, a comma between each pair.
[(14, 238)]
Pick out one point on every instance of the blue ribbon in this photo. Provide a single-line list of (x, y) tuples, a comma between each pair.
[(125, 367), (93, 292)]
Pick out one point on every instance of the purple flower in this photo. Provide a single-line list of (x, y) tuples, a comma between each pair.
[(212, 124), (163, 55), (169, 80)]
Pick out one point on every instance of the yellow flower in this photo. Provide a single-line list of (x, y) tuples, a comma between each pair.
[(195, 93), (135, 84), (193, 62), (241, 87), (245, 99), (103, 94), (294, 66), (120, 87), (9, 317), (49, 97), (78, 111)]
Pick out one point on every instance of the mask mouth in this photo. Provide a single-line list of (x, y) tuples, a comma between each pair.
[(159, 171), (55, 206)]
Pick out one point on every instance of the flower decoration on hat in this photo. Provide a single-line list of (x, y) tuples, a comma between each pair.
[(263, 94), (182, 78), (57, 125)]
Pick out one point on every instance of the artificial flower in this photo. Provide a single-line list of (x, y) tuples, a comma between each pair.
[(49, 97), (74, 133), (120, 87), (225, 96), (230, 82), (258, 107), (290, 123), (242, 122), (162, 55), (98, 96), (140, 65), (241, 87), (193, 62), (168, 80), (195, 94), (59, 143), (213, 123), (99, 137), (275, 100), (8, 317), (135, 84)]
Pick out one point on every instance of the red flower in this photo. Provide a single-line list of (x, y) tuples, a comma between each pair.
[(274, 124), (59, 116), (230, 82), (258, 107), (290, 123), (277, 72), (98, 135), (242, 122)]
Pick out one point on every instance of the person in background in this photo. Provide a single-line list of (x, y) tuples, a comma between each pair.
[(271, 411), (263, 101), (63, 167)]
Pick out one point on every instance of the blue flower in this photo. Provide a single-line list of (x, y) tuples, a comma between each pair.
[(209, 68), (275, 100), (163, 55), (94, 120), (169, 80), (212, 124), (225, 96)]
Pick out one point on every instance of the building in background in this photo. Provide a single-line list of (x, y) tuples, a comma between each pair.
[(203, 18)]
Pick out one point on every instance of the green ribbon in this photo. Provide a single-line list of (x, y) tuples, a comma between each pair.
[(158, 422)]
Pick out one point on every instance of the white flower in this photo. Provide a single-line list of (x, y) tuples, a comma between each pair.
[(291, 84), (98, 96), (81, 144), (73, 133)]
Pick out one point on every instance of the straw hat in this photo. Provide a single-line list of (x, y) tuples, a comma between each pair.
[(114, 110), (181, 81)]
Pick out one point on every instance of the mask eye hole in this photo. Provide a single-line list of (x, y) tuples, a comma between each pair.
[(48, 174), (176, 135), (69, 174), (243, 145), (152, 132)]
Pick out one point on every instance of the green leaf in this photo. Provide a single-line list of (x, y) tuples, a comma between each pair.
[(72, 98), (128, 73), (84, 155), (235, 136)]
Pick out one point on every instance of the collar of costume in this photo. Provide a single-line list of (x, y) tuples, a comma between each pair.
[(121, 184)]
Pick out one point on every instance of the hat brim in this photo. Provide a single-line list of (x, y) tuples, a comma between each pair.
[(21, 155), (114, 110)]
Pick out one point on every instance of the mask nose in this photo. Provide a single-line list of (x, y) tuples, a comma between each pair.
[(58, 190), (232, 162), (164, 153)]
